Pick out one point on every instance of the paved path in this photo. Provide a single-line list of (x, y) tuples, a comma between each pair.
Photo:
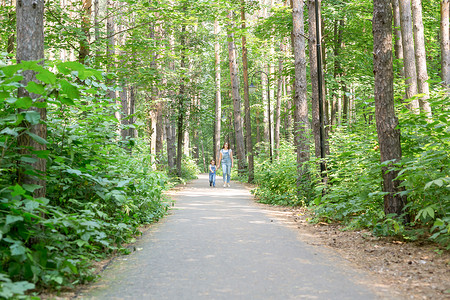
[(217, 244)]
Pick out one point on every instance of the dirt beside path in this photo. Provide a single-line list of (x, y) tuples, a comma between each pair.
[(418, 270)]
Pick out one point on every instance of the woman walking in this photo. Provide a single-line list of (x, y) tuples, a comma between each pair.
[(226, 159)]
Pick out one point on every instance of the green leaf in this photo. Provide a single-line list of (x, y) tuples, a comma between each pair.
[(12, 219), (67, 101), (33, 117), (37, 138), (27, 159), (17, 190), (73, 171), (70, 90), (438, 182), (438, 222), (11, 70), (41, 153), (35, 88), (17, 249), (123, 183), (24, 102), (11, 289), (4, 95), (9, 131), (430, 211), (46, 77), (31, 187)]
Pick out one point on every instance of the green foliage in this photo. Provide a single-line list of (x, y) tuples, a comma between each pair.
[(277, 181), (354, 194), (353, 190), (97, 193), (425, 171)]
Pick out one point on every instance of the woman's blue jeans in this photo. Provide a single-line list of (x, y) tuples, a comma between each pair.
[(226, 168)]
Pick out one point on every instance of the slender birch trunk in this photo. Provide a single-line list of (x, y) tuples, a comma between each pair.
[(111, 45), (421, 58), (180, 102), (218, 112), (277, 110), (248, 125), (445, 42), (398, 35), (409, 61)]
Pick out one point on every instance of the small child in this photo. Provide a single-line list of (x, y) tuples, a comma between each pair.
[(212, 173)]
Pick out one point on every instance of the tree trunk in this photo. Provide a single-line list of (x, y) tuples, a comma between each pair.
[(30, 47), (300, 100), (312, 42), (124, 132), (248, 125), (288, 122), (421, 59), (388, 133), (344, 103), (258, 127), (409, 61), (170, 143), (337, 72), (234, 75), (12, 22), (218, 113), (110, 48), (132, 108), (445, 42), (85, 26), (398, 35), (277, 112), (181, 100)]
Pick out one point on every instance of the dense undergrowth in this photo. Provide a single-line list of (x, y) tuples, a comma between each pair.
[(99, 188), (354, 194)]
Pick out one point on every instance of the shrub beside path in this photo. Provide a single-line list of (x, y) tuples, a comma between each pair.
[(217, 244)]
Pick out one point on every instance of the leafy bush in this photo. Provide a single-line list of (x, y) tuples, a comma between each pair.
[(97, 193), (277, 180), (425, 171)]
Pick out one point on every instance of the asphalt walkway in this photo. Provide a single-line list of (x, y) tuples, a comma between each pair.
[(217, 244)]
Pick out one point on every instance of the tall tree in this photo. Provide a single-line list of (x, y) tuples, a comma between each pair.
[(421, 59), (248, 125), (387, 122), (300, 101), (398, 35), (218, 100), (111, 45), (277, 110), (234, 75), (30, 47), (445, 42), (85, 26), (337, 72), (409, 60), (312, 42), (181, 100)]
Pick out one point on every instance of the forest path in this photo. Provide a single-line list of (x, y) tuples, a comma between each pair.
[(218, 244)]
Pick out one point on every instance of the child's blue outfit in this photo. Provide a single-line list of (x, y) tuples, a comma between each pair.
[(212, 175)]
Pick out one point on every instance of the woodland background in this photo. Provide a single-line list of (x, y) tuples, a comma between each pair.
[(105, 104)]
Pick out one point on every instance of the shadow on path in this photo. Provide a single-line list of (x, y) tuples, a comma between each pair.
[(216, 244)]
